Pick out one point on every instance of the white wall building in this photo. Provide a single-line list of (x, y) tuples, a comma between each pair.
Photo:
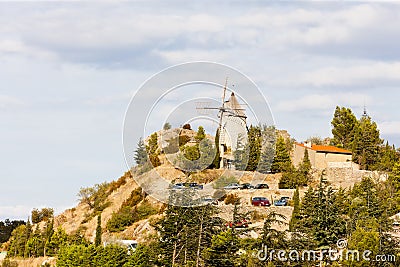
[(233, 130)]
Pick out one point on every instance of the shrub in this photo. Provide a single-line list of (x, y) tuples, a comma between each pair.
[(187, 126), (143, 211), (130, 212), (256, 216), (8, 263), (134, 199), (120, 220), (232, 199), (114, 185)]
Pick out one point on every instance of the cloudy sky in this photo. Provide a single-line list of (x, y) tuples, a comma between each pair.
[(68, 72)]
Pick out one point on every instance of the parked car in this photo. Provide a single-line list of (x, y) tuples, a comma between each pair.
[(247, 186), (261, 186), (195, 186), (283, 201), (187, 185), (232, 186), (260, 201), (179, 186), (238, 224)]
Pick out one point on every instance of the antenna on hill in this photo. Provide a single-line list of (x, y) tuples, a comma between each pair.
[(365, 114)]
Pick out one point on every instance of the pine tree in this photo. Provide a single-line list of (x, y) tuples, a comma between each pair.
[(97, 240), (304, 169), (344, 125), (268, 136), (270, 236), (282, 161), (140, 153), (185, 232), (201, 134), (296, 211), (254, 142), (388, 157), (366, 143)]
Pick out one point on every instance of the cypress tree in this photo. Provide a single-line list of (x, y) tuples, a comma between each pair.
[(296, 211), (254, 141), (217, 159), (153, 150), (282, 161), (97, 240)]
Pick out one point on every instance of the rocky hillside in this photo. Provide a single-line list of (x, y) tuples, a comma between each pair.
[(78, 219)]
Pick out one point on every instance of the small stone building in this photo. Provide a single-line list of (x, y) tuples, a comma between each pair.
[(322, 157)]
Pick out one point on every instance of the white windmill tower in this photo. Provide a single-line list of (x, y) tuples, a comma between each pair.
[(232, 128)]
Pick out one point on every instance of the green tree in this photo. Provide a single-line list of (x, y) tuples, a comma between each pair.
[(223, 250), (44, 214), (97, 240), (241, 155), (268, 137), (322, 215), (167, 126), (201, 134), (344, 125), (217, 158), (388, 157), (7, 227), (270, 236), (366, 143), (95, 197), (254, 150), (140, 156), (145, 255), (185, 232), (282, 161), (153, 150), (296, 211)]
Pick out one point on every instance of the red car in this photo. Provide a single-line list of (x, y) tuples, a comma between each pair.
[(238, 224), (260, 201)]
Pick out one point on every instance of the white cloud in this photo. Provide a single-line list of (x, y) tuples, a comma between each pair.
[(7, 102), (367, 73), (390, 127), (323, 102)]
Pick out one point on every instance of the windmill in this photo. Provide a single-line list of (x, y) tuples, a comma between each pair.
[(232, 122)]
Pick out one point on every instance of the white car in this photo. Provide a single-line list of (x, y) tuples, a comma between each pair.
[(232, 186)]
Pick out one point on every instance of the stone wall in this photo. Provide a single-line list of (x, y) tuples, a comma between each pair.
[(345, 177)]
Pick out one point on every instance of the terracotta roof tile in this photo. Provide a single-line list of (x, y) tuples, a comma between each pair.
[(331, 149)]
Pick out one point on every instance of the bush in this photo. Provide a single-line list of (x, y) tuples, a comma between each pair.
[(187, 126), (114, 185), (8, 263), (143, 211), (134, 199), (232, 199), (120, 219), (256, 216), (130, 212)]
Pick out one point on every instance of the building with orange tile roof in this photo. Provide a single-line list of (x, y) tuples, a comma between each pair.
[(321, 157)]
